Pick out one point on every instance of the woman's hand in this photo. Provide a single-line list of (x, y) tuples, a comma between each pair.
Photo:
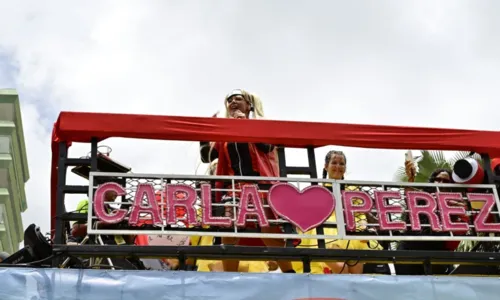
[(457, 203), (237, 114), (410, 170)]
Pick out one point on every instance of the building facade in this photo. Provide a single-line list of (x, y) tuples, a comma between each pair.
[(13, 172)]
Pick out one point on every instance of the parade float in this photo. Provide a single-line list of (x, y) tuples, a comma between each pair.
[(106, 264)]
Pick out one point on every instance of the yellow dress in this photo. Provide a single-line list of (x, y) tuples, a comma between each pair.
[(204, 265), (244, 266), (202, 241), (318, 267)]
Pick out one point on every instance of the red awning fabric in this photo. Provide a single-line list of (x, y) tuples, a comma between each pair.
[(81, 127)]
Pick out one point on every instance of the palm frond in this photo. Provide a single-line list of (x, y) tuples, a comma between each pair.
[(422, 177), (439, 159), (464, 154), (466, 246), (431, 160), (428, 162), (400, 175)]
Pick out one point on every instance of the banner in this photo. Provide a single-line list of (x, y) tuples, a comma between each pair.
[(73, 284), (347, 210)]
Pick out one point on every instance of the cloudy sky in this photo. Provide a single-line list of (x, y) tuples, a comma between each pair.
[(428, 63)]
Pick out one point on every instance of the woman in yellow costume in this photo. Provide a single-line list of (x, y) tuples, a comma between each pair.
[(334, 168)]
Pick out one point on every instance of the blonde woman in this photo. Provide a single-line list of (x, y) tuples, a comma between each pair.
[(244, 159)]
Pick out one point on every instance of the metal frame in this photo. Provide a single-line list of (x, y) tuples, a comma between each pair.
[(306, 255), (235, 232), (63, 217)]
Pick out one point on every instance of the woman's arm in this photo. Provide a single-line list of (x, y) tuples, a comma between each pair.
[(208, 155)]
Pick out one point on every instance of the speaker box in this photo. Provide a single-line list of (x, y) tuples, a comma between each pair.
[(104, 164)]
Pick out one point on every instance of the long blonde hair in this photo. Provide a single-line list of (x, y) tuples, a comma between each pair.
[(212, 167), (253, 100), (256, 113)]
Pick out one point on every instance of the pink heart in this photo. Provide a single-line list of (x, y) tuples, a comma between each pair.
[(306, 209)]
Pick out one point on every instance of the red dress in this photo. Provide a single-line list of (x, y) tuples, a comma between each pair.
[(264, 164)]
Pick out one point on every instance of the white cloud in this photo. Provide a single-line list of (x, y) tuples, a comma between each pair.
[(423, 63)]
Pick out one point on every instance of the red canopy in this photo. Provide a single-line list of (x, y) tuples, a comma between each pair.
[(81, 127)]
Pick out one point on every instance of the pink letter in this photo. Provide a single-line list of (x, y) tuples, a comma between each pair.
[(100, 197), (447, 210), (385, 209), (428, 209), (480, 221), (172, 191), (350, 208), (206, 209), (150, 207), (250, 195)]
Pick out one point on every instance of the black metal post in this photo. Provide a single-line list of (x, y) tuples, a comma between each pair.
[(282, 161), (306, 265), (60, 195), (283, 173), (93, 168), (59, 234), (491, 178), (93, 154)]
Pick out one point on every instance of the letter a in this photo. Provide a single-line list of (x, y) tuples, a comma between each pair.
[(187, 202), (250, 195), (150, 207)]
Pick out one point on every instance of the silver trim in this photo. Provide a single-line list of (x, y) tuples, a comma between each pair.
[(336, 191), (288, 179), (294, 236)]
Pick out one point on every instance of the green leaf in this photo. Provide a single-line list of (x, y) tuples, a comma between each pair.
[(438, 157), (400, 175), (431, 160), (466, 246)]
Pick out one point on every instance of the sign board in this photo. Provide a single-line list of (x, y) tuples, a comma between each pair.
[(239, 206)]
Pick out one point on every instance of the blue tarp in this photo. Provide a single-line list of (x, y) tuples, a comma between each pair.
[(72, 284)]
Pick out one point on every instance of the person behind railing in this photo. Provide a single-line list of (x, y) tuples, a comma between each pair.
[(335, 168), (440, 175), (79, 232), (216, 265), (205, 265), (164, 240), (79, 228), (468, 171), (244, 159)]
